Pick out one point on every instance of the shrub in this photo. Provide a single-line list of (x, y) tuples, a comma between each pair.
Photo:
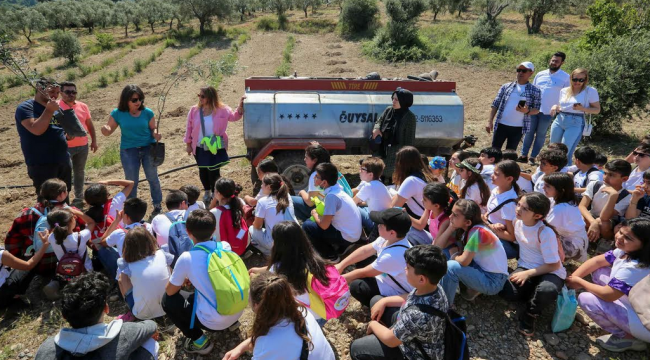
[(138, 65), (399, 39), (620, 71), (267, 24), (66, 45), (102, 81), (71, 75), (485, 32), (358, 15), (115, 76), (104, 41), (125, 72)]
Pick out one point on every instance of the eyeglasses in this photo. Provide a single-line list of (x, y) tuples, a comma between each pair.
[(522, 70), (639, 154), (70, 92), (579, 80), (201, 96), (364, 169), (136, 100)]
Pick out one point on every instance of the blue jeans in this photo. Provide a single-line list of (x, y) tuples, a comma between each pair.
[(365, 218), (473, 276), (108, 257), (301, 210), (329, 243), (538, 126), (131, 160), (567, 129), (511, 248)]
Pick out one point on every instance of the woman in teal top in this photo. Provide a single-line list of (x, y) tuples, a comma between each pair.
[(138, 127)]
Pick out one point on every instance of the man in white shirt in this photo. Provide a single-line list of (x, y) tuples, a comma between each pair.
[(550, 82)]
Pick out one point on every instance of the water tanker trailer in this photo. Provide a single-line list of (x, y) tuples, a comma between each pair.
[(283, 115)]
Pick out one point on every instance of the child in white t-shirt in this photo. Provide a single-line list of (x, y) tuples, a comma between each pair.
[(565, 216), (193, 266), (500, 214), (144, 275), (525, 185), (473, 186), (483, 265), (614, 275), (550, 161), (641, 156), (410, 177), (315, 154), (193, 194), (275, 206), (489, 157), (176, 202), (584, 171), (455, 180), (602, 215), (63, 238), (385, 276), (371, 192), (279, 337), (539, 276), (132, 215)]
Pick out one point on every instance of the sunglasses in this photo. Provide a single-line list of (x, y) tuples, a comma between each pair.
[(201, 96), (136, 100), (522, 70), (579, 80), (639, 154), (70, 92)]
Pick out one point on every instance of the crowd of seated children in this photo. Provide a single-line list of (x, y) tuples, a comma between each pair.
[(193, 193), (176, 203), (500, 210), (437, 200), (410, 177), (473, 186)]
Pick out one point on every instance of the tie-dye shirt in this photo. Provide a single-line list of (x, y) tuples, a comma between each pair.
[(489, 253)]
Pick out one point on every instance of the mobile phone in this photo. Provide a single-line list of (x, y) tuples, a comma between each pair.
[(522, 103)]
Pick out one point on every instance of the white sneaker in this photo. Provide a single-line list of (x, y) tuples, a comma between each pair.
[(617, 344), (51, 290)]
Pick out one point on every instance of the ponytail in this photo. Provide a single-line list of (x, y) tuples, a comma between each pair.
[(439, 194), (512, 169), (273, 297), (279, 190), (229, 190), (59, 221)]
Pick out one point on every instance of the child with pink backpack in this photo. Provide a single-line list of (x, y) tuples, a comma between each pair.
[(317, 283), (228, 209)]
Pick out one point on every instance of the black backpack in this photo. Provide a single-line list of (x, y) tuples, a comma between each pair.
[(622, 195), (456, 347)]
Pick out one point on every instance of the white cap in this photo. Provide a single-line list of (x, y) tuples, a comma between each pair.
[(528, 65)]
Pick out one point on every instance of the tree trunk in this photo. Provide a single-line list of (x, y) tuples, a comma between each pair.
[(171, 22), (201, 27), (538, 19), (435, 15), (305, 10), (126, 30), (28, 35)]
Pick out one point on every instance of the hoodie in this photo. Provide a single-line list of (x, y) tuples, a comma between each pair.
[(115, 340)]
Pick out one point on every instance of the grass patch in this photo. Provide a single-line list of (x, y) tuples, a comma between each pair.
[(269, 24), (110, 156), (285, 67), (313, 26), (70, 75), (148, 40)]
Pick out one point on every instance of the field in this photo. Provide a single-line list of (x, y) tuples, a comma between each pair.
[(317, 52)]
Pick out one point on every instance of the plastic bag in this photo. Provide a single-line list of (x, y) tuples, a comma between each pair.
[(70, 123), (565, 313)]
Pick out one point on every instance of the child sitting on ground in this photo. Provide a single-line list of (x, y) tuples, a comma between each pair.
[(266, 166), (112, 243), (539, 276), (315, 154), (605, 203), (228, 211), (193, 266), (274, 207), (437, 208), (500, 213), (640, 202), (641, 157), (101, 205), (193, 194), (176, 202), (437, 165), (600, 160), (473, 186), (482, 266), (282, 328), (371, 192), (83, 306), (410, 177), (489, 157), (401, 334), (65, 240), (565, 216), (455, 180), (144, 273), (385, 276), (525, 185), (550, 161), (538, 172), (614, 275), (340, 225), (584, 171)]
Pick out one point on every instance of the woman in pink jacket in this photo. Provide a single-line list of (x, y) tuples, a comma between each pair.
[(206, 136)]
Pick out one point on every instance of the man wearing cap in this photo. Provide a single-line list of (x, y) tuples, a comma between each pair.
[(550, 82), (386, 275), (513, 106), (42, 140)]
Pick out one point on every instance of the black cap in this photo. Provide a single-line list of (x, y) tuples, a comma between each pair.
[(394, 218)]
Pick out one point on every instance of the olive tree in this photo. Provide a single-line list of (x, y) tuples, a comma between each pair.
[(66, 44), (154, 11), (205, 10), (534, 11), (61, 14), (93, 13), (241, 6), (26, 20), (123, 14), (438, 7), (487, 29)]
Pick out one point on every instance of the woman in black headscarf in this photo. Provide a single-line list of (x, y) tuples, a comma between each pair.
[(396, 126)]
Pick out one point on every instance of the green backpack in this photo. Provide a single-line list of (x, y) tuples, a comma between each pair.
[(230, 281)]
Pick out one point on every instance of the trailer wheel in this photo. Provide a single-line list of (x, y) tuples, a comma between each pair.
[(256, 181), (292, 165)]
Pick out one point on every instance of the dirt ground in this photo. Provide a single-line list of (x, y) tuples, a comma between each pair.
[(492, 326)]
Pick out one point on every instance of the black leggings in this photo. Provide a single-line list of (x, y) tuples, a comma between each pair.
[(209, 178)]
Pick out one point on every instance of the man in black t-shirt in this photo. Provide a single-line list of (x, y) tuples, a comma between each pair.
[(42, 140)]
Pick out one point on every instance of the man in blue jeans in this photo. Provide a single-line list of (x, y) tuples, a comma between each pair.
[(550, 82)]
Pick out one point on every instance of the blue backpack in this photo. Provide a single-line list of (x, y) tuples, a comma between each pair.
[(178, 240), (41, 225)]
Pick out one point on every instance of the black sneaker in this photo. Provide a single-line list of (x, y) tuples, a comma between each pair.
[(532, 161), (527, 325), (156, 211), (522, 159)]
